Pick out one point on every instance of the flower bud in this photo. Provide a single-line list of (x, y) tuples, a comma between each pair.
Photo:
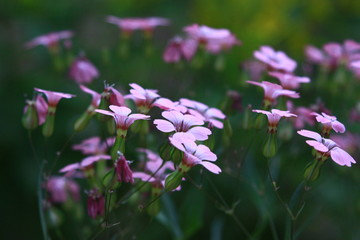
[(166, 151), (312, 170), (270, 147), (173, 180), (82, 122), (48, 127), (30, 119), (123, 171), (95, 204)]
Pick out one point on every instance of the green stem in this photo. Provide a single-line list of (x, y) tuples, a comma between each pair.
[(40, 203)]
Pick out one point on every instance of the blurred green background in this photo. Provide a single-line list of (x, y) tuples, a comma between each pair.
[(285, 25)]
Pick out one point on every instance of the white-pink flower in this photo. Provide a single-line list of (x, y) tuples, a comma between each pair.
[(178, 122), (53, 98), (155, 169), (204, 33), (49, 40), (122, 116), (95, 101), (167, 104), (327, 148), (329, 122), (143, 98), (61, 188), (194, 154), (272, 91), (132, 24), (179, 48), (276, 60), (204, 112), (289, 81), (82, 71)]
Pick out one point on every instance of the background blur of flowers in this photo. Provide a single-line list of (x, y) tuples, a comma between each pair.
[(286, 25)]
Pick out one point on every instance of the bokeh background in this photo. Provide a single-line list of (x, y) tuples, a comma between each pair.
[(333, 206)]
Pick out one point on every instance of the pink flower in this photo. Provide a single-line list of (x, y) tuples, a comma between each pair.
[(53, 98), (41, 107), (329, 122), (131, 24), (272, 91), (203, 34), (289, 81), (348, 141), (314, 54), (254, 69), (204, 112), (275, 60), (95, 96), (178, 49), (85, 164), (355, 64), (95, 203), (304, 115), (218, 45), (123, 171), (179, 122), (93, 146), (327, 148), (194, 154), (122, 116), (143, 98), (83, 71), (61, 188), (155, 169), (274, 117), (49, 40), (167, 104)]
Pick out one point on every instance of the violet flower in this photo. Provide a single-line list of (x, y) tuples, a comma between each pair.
[(329, 122), (204, 112), (82, 71), (50, 40), (326, 147), (275, 60), (289, 81), (272, 91), (178, 122)]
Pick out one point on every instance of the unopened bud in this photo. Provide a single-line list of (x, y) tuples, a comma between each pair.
[(30, 119), (173, 180), (270, 147), (48, 127)]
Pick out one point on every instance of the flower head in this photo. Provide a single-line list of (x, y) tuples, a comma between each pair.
[(329, 122), (272, 91), (93, 146), (289, 81), (61, 188), (327, 147), (95, 96), (204, 33), (194, 154), (274, 117), (167, 104), (123, 171), (129, 25), (143, 98), (275, 60), (304, 115), (122, 116), (49, 40), (204, 112), (95, 203), (155, 169), (53, 98), (178, 122), (83, 71), (179, 48)]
